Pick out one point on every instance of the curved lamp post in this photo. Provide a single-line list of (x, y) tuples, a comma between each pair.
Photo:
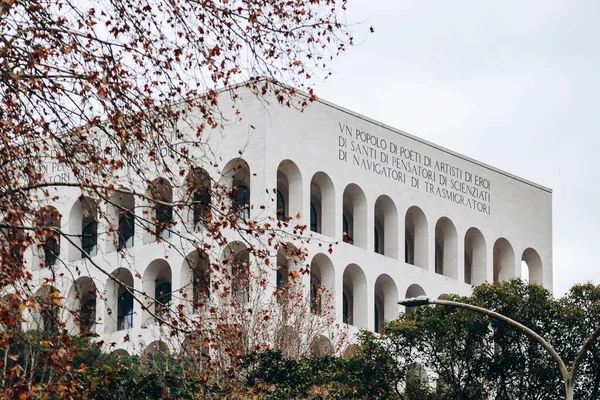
[(568, 376)]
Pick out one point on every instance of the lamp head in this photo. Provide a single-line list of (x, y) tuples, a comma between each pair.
[(416, 301)]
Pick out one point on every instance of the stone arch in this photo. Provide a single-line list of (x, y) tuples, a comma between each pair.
[(446, 248), (322, 204), (355, 291), (386, 223), (120, 353), (198, 195), (157, 284), (416, 238), (475, 257), (82, 298), (350, 351), (288, 341), (121, 216), (119, 301), (196, 282), (354, 216), (322, 284), (237, 258), (237, 175), (504, 260), (534, 266), (386, 301), (413, 290), (289, 190), (158, 346), (83, 226), (321, 346), (160, 191)]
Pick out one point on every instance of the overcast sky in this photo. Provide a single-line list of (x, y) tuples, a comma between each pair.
[(513, 85)]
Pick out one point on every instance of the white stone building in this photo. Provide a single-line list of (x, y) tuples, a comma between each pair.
[(410, 217)]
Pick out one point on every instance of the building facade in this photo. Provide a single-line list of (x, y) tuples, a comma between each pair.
[(404, 217)]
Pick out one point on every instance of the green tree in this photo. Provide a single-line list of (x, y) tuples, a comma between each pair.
[(474, 357)]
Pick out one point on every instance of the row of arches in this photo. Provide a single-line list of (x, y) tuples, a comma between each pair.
[(155, 215), (346, 296), (158, 292), (386, 234), (354, 294)]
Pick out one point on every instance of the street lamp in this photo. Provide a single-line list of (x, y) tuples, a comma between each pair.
[(568, 376)]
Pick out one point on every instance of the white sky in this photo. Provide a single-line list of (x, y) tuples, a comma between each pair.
[(513, 85)]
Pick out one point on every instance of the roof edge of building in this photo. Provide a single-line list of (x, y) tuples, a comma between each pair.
[(433, 145)]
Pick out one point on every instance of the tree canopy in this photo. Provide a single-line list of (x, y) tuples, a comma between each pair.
[(113, 92), (450, 353)]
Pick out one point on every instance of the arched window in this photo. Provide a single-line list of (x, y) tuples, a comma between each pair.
[(314, 221), (289, 190), (164, 219), (161, 192), (87, 315), (386, 301), (282, 277), (120, 212), (194, 282), (386, 227), (416, 238), (439, 258), (240, 271), (468, 268), (89, 237), (201, 286), (241, 201), (126, 230), (345, 312), (83, 224), (51, 249), (354, 284), (532, 262), (315, 295), (162, 294), (322, 198), (446, 248), (475, 257), (281, 210), (354, 212), (504, 261), (413, 290), (81, 300), (236, 175), (201, 205), (48, 300), (322, 279), (198, 183), (49, 218), (346, 234), (124, 309)]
